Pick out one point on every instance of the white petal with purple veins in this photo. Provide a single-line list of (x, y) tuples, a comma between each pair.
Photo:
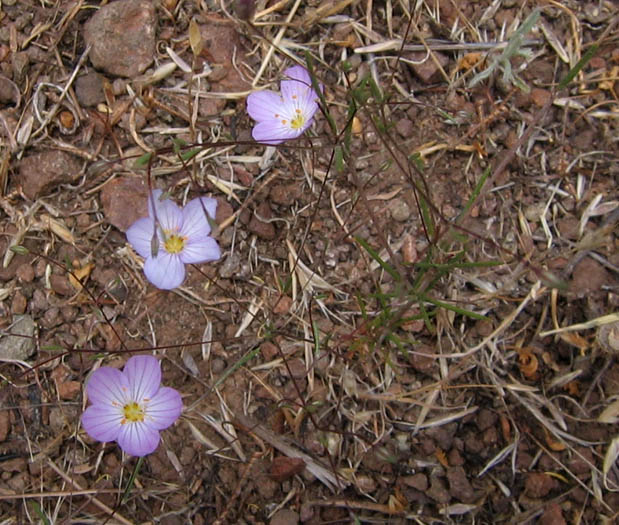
[(164, 408), (140, 236), (200, 250), (107, 386), (144, 375), (166, 271), (138, 439), (102, 422)]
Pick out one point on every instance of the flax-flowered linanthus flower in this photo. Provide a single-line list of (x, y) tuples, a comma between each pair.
[(171, 237), (130, 407), (286, 115)]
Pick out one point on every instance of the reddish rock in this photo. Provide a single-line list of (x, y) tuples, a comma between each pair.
[(538, 484), (459, 486), (540, 96), (125, 200), (283, 468), (424, 66), (438, 492), (122, 36), (60, 284), (259, 225), (588, 277), (416, 481), (221, 48), (552, 516), (89, 89), (41, 173), (69, 389)]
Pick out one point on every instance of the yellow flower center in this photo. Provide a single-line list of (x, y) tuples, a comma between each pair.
[(174, 243), (298, 121), (133, 413)]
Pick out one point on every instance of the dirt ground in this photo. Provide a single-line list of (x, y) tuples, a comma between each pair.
[(415, 317)]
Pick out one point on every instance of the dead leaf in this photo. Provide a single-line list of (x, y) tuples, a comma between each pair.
[(468, 61), (557, 446), (195, 38), (441, 457), (610, 414), (80, 274), (528, 363)]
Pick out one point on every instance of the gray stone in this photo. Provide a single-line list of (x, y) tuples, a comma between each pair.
[(21, 345)]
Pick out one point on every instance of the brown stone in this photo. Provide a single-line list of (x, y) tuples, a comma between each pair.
[(425, 68), (125, 200), (89, 89), (42, 173), (222, 47), (538, 484), (122, 36), (258, 224)]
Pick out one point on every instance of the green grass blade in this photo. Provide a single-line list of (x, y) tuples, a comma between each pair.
[(578, 67), (374, 255)]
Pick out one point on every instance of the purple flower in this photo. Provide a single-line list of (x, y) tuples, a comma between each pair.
[(287, 115), (130, 407), (171, 237)]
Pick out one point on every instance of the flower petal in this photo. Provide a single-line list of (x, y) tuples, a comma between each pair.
[(169, 215), (107, 386), (164, 408), (200, 250), (102, 422), (297, 82), (195, 222), (138, 439), (140, 235), (144, 375), (166, 271), (264, 105), (273, 132)]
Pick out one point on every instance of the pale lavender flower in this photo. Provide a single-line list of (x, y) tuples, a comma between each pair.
[(287, 115), (171, 237), (130, 407)]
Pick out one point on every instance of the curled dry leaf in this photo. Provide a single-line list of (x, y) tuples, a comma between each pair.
[(528, 363), (80, 274), (557, 446), (608, 337)]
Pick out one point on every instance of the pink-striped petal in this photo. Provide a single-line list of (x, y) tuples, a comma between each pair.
[(168, 215), (166, 271), (140, 235), (264, 105), (102, 422), (143, 372), (195, 221), (164, 408), (138, 439), (200, 250), (108, 386), (273, 132), (296, 83)]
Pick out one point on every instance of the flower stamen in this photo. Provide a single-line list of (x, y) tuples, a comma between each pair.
[(132, 413), (174, 243)]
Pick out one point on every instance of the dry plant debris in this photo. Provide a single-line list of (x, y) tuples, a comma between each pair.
[(414, 318)]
